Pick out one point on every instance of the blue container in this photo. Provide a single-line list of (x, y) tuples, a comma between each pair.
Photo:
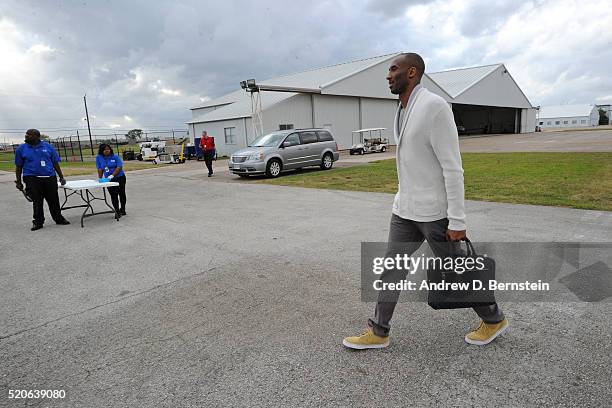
[(190, 152)]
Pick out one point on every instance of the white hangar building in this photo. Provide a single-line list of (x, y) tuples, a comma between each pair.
[(568, 116), (355, 95)]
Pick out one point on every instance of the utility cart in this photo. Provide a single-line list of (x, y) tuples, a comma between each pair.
[(368, 141), (150, 150), (172, 154)]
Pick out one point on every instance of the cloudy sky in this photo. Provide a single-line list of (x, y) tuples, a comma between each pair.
[(145, 63)]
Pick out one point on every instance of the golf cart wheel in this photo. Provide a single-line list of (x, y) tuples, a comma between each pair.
[(327, 162), (383, 149), (361, 151), (351, 152), (274, 167)]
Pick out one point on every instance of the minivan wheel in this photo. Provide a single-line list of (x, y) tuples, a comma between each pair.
[(274, 167), (327, 162)]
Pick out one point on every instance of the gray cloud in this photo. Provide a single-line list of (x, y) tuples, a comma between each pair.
[(485, 16), (392, 8), (199, 50), (153, 61)]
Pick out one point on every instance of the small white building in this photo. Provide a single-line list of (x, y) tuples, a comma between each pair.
[(568, 116), (355, 95)]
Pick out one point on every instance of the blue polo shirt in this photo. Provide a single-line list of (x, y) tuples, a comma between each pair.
[(36, 160), (109, 164)]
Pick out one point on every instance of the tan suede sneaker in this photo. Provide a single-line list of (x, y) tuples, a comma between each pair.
[(368, 340), (486, 333)]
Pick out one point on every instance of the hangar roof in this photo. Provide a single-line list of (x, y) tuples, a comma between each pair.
[(457, 85), (565, 111), (322, 77), (312, 80), (241, 108), (457, 81)]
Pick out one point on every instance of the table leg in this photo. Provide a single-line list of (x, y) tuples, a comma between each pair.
[(109, 206), (89, 207), (65, 199)]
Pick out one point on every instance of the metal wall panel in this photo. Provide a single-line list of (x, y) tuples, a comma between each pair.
[(295, 110), (378, 113), (340, 114)]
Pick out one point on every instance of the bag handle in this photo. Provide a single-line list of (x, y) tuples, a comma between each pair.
[(471, 252)]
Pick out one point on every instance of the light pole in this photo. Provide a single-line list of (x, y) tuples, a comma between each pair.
[(88, 127), (256, 111)]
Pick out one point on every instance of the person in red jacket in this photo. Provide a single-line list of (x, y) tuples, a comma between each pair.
[(207, 144)]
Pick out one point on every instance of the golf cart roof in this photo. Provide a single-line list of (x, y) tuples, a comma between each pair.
[(368, 130)]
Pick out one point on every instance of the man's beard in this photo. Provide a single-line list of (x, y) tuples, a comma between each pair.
[(30, 142), (398, 88)]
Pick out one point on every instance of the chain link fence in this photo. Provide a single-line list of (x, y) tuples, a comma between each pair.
[(78, 147)]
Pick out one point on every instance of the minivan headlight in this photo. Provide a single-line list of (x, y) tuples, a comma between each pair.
[(256, 156)]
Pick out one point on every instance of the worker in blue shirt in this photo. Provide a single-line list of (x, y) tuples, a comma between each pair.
[(38, 162), (110, 167)]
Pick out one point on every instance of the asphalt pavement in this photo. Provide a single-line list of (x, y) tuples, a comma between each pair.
[(569, 140), (218, 292)]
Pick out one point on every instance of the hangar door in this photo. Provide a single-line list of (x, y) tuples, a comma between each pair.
[(482, 120)]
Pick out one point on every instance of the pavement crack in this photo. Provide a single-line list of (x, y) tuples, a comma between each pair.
[(154, 288)]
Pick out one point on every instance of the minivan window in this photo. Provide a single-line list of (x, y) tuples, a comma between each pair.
[(325, 136), (293, 139), (308, 137), (271, 139)]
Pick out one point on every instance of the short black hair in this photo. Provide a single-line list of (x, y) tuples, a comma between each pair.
[(104, 146), (33, 132), (415, 60)]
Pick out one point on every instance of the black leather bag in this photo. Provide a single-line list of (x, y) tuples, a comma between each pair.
[(449, 298)]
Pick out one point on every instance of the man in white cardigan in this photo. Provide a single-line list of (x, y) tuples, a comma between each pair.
[(429, 204)]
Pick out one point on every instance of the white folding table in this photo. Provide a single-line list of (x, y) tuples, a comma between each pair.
[(84, 188)]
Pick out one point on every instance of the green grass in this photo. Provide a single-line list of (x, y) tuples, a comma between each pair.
[(8, 155), (577, 180), (76, 167), (88, 167)]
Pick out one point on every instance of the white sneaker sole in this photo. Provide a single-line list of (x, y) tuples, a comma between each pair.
[(490, 339), (354, 346)]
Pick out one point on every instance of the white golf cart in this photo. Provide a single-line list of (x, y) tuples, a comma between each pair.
[(150, 150), (368, 141)]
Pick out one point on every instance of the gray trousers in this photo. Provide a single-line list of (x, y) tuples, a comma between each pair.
[(406, 236)]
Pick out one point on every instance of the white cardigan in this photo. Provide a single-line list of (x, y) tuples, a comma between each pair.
[(429, 164)]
